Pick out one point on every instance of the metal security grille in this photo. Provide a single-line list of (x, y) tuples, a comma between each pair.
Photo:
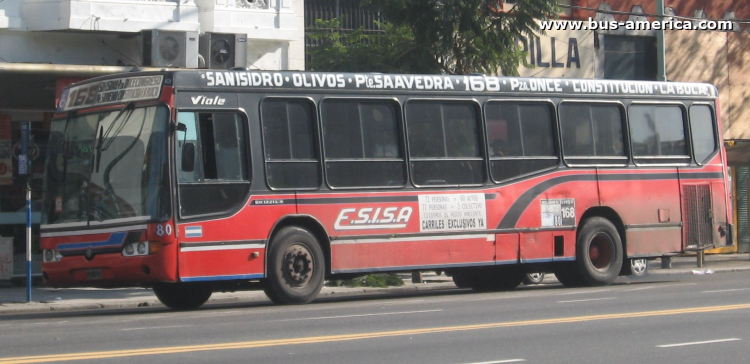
[(743, 236), (697, 216)]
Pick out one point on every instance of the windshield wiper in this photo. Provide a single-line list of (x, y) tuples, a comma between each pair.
[(100, 147)]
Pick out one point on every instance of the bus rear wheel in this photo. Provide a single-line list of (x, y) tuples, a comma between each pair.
[(599, 252), (295, 267), (568, 275), (182, 296)]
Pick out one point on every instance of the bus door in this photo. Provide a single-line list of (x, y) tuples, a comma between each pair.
[(658, 147), (704, 191), (213, 186)]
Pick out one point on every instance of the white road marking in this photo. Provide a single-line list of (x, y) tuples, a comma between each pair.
[(363, 315), (592, 299), (156, 327), (46, 323), (727, 290), (500, 361), (584, 292), (401, 302), (639, 289), (698, 343)]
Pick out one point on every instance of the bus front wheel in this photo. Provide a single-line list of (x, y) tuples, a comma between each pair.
[(182, 296), (295, 267), (599, 252)]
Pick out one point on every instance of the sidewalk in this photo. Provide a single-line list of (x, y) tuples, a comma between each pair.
[(45, 299)]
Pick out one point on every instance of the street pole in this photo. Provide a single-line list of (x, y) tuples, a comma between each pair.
[(661, 72), (23, 169)]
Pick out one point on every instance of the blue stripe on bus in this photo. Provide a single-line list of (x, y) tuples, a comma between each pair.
[(115, 239), (222, 278), (412, 267)]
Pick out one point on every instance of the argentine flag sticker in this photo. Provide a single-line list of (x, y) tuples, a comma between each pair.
[(193, 231)]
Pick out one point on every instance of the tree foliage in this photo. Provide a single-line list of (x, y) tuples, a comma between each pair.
[(389, 50), (435, 36)]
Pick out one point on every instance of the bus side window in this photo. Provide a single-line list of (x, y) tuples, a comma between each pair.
[(702, 132), (592, 133), (657, 133), (520, 137), (188, 136), (444, 139), (289, 143), (361, 140)]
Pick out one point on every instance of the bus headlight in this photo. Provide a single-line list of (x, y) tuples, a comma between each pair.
[(141, 248), (135, 249), (51, 255)]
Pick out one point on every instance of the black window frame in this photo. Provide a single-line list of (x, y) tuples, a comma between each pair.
[(316, 140), (240, 203), (554, 125), (401, 137), (481, 143), (714, 129), (596, 161), (663, 160)]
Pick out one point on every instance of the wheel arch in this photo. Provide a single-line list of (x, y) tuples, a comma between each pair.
[(613, 217), (310, 224)]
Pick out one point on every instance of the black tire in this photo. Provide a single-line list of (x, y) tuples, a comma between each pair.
[(568, 275), (462, 279), (296, 267), (496, 279), (599, 252), (271, 294), (182, 296)]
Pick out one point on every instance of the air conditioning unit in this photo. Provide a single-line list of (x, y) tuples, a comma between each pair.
[(223, 50), (170, 48)]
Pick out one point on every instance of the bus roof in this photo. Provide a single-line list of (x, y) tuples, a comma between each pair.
[(143, 85)]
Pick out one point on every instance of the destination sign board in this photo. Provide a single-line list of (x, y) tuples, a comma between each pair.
[(111, 91)]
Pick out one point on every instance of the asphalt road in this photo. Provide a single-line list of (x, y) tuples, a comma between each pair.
[(668, 319)]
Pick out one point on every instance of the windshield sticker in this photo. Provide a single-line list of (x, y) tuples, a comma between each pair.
[(559, 212), (466, 211)]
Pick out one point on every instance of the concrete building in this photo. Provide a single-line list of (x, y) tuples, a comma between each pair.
[(47, 44)]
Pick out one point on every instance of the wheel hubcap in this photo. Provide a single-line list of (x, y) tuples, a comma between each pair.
[(601, 251), (638, 266), (298, 266), (536, 277)]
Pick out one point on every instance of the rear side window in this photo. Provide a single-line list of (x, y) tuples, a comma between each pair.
[(362, 143), (520, 137), (702, 131), (657, 134), (592, 133), (290, 150), (444, 143)]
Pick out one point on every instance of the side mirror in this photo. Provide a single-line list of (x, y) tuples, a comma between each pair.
[(188, 157)]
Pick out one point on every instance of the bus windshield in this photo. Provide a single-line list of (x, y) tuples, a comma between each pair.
[(108, 167)]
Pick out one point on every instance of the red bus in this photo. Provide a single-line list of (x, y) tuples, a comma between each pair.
[(194, 181)]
